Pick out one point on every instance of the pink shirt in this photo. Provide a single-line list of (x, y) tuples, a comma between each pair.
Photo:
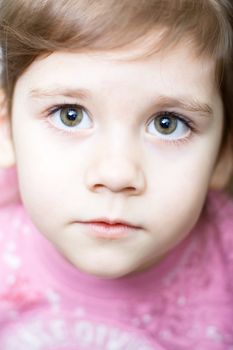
[(8, 186), (186, 302)]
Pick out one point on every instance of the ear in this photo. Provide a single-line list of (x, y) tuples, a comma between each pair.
[(7, 156), (223, 169)]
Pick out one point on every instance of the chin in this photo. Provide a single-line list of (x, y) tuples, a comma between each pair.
[(107, 270)]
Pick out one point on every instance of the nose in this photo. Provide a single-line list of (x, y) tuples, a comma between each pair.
[(116, 173)]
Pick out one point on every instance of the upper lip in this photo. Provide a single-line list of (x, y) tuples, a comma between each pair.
[(111, 222)]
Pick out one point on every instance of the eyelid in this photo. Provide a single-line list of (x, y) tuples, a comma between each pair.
[(59, 106)]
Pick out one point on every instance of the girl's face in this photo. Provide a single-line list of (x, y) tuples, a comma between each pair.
[(115, 156)]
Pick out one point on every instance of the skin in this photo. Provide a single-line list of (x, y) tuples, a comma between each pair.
[(115, 163)]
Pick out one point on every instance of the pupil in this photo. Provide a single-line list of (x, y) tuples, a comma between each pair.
[(71, 114), (165, 123)]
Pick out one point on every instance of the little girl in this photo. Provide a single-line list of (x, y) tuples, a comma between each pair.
[(118, 117)]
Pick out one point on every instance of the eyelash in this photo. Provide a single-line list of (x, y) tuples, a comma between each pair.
[(186, 121), (56, 108)]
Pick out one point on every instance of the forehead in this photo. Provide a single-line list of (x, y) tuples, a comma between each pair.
[(129, 70)]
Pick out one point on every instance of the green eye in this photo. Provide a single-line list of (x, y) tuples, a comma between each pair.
[(165, 125), (71, 116)]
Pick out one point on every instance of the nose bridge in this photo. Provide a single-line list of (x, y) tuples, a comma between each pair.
[(117, 164), (119, 142)]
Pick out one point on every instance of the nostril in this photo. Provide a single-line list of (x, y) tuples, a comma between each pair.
[(102, 187), (129, 189), (98, 187)]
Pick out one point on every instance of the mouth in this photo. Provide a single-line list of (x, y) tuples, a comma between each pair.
[(104, 228)]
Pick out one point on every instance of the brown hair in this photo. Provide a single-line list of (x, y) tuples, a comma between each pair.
[(29, 29)]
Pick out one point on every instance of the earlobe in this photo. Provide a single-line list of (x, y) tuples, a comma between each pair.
[(7, 156), (223, 170)]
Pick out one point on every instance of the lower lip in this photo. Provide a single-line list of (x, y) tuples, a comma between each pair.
[(108, 231)]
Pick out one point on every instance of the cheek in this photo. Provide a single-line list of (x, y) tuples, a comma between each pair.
[(178, 186), (50, 180), (180, 169), (39, 171)]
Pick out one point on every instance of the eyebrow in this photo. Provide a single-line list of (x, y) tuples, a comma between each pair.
[(185, 103), (66, 92), (182, 102)]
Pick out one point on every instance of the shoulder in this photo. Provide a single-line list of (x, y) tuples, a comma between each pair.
[(12, 221), (220, 203), (220, 212), (220, 218), (11, 229)]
